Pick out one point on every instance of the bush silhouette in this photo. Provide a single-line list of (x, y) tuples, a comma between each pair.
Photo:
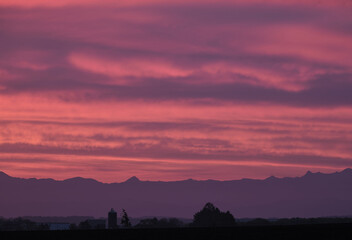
[(84, 225), (211, 216), (162, 223)]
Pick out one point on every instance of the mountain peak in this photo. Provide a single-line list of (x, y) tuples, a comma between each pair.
[(133, 179), (346, 171), (80, 180), (271, 178), (309, 173), (2, 174)]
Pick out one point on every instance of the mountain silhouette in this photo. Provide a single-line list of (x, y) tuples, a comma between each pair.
[(133, 179), (312, 195)]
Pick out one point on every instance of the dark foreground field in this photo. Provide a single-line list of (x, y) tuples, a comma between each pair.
[(321, 231)]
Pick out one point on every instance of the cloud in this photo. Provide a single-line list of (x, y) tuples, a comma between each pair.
[(141, 68), (162, 153), (289, 58), (63, 3), (199, 87)]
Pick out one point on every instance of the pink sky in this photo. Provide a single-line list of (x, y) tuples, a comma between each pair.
[(170, 91)]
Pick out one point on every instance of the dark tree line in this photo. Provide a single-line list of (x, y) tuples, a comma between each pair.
[(295, 221), (162, 223), (19, 224), (208, 216)]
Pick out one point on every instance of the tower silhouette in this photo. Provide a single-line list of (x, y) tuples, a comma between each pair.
[(112, 219)]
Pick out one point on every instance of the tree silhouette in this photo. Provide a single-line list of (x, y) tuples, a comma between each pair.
[(125, 221), (211, 216)]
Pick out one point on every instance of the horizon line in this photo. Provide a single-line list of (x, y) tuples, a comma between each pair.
[(136, 179)]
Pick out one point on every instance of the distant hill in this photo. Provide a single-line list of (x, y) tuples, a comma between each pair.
[(312, 195)]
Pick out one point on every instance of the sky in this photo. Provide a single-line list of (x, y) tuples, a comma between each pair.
[(172, 90)]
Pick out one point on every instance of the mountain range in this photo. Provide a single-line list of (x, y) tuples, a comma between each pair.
[(312, 195)]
